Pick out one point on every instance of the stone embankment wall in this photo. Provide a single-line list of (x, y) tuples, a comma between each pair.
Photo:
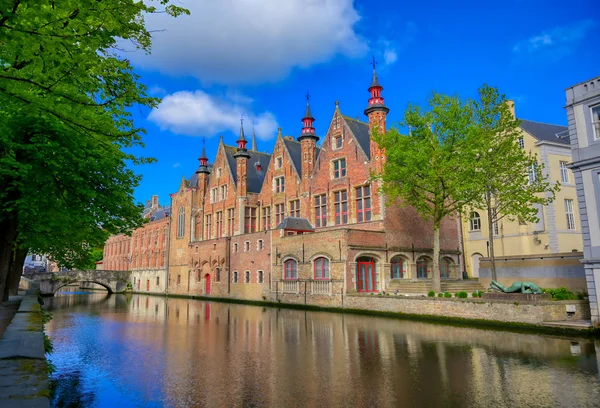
[(23, 366), (535, 313)]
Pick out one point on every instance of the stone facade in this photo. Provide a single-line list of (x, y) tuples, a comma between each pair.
[(583, 113)]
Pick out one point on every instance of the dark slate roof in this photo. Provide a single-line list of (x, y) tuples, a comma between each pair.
[(295, 224), (375, 80), (160, 213), (295, 149), (255, 177), (308, 113), (546, 131), (361, 133)]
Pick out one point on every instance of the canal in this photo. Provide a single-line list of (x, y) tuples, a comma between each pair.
[(149, 351)]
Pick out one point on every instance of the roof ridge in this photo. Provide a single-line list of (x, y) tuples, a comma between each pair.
[(542, 123), (355, 120)]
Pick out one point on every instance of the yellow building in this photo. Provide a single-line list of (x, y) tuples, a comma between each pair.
[(558, 229)]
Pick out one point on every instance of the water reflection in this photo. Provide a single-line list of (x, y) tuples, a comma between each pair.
[(134, 350)]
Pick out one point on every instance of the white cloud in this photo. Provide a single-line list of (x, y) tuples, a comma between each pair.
[(555, 43), (250, 41), (200, 114), (176, 165), (389, 49)]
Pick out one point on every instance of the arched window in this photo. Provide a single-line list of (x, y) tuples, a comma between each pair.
[(423, 268), (235, 247), (235, 277), (474, 222), (247, 277), (446, 266), (261, 277), (397, 268), (291, 269), (321, 268), (181, 223)]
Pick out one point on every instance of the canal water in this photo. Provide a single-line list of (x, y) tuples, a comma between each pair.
[(148, 351)]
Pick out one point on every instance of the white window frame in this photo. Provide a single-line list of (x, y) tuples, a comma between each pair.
[(214, 194), (260, 245), (570, 214), (235, 277), (219, 172), (521, 142), (246, 246), (564, 172), (595, 123), (260, 277), (474, 222), (181, 222), (278, 162), (533, 170), (247, 276)]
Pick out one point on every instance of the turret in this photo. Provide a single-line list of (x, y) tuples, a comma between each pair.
[(377, 113), (241, 158), (308, 141)]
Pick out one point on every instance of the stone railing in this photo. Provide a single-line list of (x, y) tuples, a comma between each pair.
[(320, 287), (291, 286)]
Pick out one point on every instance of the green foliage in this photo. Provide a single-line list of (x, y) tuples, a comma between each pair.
[(48, 347), (561, 293), (461, 295), (447, 294), (509, 179), (431, 168), (66, 126), (440, 295), (431, 293), (476, 294)]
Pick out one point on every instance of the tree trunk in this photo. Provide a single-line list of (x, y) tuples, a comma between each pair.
[(15, 272), (8, 234), (490, 214), (436, 282)]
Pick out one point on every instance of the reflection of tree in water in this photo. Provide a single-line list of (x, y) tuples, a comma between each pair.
[(67, 391)]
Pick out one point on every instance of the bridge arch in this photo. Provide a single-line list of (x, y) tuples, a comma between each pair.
[(104, 285)]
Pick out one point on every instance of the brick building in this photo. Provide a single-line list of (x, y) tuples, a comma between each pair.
[(305, 218)]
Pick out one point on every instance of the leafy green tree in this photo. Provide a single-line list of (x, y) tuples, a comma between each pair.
[(65, 99), (430, 168), (509, 179)]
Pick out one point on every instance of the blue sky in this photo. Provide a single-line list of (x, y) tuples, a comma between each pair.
[(259, 57)]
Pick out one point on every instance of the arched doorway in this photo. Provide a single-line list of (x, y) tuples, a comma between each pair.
[(207, 284), (365, 273), (446, 268), (475, 264)]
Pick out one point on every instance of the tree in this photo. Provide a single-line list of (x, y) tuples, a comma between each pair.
[(65, 99), (509, 180), (430, 168)]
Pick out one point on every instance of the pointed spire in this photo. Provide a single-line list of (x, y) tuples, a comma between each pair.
[(241, 150), (253, 138), (203, 160), (308, 113), (308, 130), (375, 80)]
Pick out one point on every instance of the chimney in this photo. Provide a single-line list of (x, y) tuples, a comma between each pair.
[(511, 107), (154, 201)]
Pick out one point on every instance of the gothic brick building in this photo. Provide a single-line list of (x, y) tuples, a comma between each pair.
[(305, 218)]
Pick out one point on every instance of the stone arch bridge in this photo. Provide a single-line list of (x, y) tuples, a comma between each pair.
[(113, 281)]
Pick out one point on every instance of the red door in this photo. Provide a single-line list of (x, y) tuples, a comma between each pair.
[(207, 284), (366, 275)]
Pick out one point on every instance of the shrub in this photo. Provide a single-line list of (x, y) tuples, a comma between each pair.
[(561, 293), (476, 294), (440, 295), (431, 293), (447, 294), (461, 295)]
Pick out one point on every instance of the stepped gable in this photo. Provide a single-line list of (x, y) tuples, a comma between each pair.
[(255, 177)]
